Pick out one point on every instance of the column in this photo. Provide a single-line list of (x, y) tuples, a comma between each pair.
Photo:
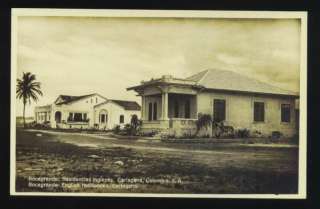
[(164, 113)]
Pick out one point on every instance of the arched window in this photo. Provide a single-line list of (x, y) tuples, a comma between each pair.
[(155, 111), (150, 112), (103, 116)]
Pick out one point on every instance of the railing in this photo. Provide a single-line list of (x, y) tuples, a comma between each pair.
[(78, 122), (72, 120), (182, 123)]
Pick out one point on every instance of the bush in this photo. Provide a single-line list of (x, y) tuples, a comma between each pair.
[(135, 125), (204, 121), (276, 134), (243, 133), (128, 129), (148, 134), (116, 129), (45, 125)]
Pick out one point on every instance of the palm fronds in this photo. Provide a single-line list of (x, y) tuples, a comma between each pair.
[(28, 89)]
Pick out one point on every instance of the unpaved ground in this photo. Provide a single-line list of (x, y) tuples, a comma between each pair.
[(174, 168)]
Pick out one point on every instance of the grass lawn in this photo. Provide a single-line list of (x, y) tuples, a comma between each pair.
[(219, 169)]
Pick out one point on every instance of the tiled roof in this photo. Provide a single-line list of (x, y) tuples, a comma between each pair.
[(42, 108), (67, 98), (127, 105), (228, 80)]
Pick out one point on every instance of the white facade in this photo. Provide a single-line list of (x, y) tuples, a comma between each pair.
[(172, 105), (83, 112), (113, 115)]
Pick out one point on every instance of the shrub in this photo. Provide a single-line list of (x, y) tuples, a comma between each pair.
[(204, 121), (128, 129), (135, 124), (116, 129), (188, 136), (276, 134), (243, 133)]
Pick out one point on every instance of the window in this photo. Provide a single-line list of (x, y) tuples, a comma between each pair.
[(150, 112), (285, 113), (77, 117), (102, 118), (219, 110), (96, 99), (121, 118), (91, 100), (155, 111), (84, 116), (187, 109), (258, 111), (176, 109), (70, 118)]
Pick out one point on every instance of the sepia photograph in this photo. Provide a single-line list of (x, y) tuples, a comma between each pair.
[(156, 103)]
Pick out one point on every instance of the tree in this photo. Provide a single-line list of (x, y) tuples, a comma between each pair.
[(135, 123), (27, 89), (204, 121)]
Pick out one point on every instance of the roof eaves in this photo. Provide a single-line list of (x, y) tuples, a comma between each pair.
[(252, 92)]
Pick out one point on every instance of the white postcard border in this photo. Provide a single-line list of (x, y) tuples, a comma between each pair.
[(302, 15)]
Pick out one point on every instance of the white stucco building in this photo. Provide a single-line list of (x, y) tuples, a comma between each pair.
[(172, 105), (87, 111)]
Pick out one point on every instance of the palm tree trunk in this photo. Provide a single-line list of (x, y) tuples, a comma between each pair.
[(24, 118)]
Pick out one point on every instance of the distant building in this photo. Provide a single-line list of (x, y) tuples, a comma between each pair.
[(87, 111), (19, 120), (171, 105)]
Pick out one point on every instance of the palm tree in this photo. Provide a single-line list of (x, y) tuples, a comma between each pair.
[(27, 89)]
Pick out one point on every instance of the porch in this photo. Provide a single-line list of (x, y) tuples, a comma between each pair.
[(71, 119), (169, 113)]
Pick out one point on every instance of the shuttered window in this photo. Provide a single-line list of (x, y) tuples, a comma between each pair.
[(285, 113), (258, 111), (219, 110)]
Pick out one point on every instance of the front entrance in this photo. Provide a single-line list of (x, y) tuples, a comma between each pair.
[(103, 119), (57, 117)]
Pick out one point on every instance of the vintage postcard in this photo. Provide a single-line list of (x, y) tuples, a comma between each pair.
[(151, 103)]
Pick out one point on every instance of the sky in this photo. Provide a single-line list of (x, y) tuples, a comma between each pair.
[(105, 55)]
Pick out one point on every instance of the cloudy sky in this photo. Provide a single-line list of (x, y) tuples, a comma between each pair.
[(81, 55)]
